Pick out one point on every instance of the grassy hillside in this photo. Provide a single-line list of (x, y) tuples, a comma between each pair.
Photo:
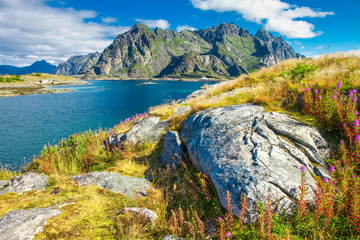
[(321, 93)]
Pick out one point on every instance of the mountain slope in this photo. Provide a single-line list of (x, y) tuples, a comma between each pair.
[(221, 51), (37, 67)]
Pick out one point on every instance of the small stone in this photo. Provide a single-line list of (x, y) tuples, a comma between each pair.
[(147, 214), (169, 237), (115, 182)]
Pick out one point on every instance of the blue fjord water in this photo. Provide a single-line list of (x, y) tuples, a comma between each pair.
[(27, 123)]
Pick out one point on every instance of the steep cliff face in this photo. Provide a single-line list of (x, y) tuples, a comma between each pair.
[(221, 51), (78, 64), (276, 48)]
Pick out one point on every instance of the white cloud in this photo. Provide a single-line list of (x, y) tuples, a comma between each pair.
[(279, 16), (109, 20), (185, 27), (31, 28), (160, 23)]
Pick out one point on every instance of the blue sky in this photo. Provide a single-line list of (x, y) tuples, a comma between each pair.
[(54, 30)]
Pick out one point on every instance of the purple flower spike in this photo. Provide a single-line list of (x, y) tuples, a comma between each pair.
[(341, 142), (308, 89), (334, 91), (353, 176), (334, 97), (316, 91), (356, 123), (332, 169), (302, 89), (302, 168), (228, 235), (344, 125), (319, 96), (354, 99), (310, 85), (357, 138), (339, 85), (356, 113), (354, 91), (325, 180), (220, 219), (351, 94)]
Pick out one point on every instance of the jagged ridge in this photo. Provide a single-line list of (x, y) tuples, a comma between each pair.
[(221, 51)]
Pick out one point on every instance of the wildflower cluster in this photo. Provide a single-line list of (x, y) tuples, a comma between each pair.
[(337, 112)]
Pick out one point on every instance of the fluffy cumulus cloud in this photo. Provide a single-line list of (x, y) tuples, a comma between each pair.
[(276, 15), (31, 30), (160, 23), (185, 27)]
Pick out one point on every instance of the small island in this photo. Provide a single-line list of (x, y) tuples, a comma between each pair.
[(36, 83)]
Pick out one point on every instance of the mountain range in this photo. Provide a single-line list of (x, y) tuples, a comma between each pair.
[(37, 67), (225, 50)]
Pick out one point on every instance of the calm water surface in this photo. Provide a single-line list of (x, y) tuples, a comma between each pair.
[(29, 122)]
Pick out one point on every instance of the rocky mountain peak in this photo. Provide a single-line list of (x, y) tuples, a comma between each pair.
[(264, 35), (221, 51)]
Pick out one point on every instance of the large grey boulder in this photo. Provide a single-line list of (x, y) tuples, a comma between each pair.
[(29, 181), (147, 214), (245, 150), (173, 150), (115, 182), (147, 129), (24, 224)]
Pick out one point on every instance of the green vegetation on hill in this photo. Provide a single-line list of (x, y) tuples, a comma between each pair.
[(318, 92), (11, 79)]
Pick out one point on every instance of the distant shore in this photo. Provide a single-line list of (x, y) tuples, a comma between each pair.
[(35, 84), (86, 77)]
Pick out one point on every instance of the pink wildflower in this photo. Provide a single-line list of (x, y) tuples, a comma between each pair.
[(341, 142), (332, 169), (316, 91), (357, 138), (334, 97), (339, 85), (356, 123), (302, 168), (356, 113), (325, 180), (228, 235)]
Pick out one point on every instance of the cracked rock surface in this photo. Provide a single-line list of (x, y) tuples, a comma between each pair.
[(245, 150), (115, 182)]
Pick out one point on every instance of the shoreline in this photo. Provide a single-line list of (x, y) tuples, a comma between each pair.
[(31, 84)]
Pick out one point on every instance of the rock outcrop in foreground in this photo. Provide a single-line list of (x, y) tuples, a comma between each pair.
[(245, 150)]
